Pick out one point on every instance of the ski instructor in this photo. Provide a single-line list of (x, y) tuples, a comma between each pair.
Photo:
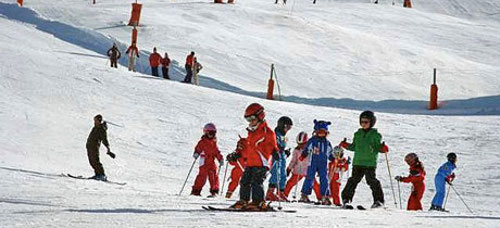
[(96, 136)]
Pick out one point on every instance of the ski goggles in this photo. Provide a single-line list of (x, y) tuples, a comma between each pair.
[(251, 118)]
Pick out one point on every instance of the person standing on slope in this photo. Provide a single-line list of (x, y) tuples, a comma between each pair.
[(366, 146), (318, 150), (257, 151), (336, 168), (235, 159), (278, 170), (444, 175), (189, 67), (298, 168), (132, 52), (96, 136), (165, 64), (416, 177), (154, 62), (196, 69), (114, 54), (207, 151)]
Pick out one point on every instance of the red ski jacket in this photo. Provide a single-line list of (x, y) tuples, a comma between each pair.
[(190, 60), (208, 151), (154, 59), (261, 143), (416, 177)]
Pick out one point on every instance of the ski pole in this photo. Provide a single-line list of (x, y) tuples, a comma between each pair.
[(224, 180), (399, 191), (459, 196), (279, 181), (390, 178), (447, 194), (192, 165)]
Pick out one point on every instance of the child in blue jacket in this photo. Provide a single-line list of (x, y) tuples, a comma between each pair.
[(319, 150), (444, 175)]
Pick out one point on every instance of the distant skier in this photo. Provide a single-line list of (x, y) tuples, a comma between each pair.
[(154, 62), (336, 169), (165, 64), (235, 159), (298, 168), (196, 69), (189, 67), (257, 150), (416, 177), (366, 146), (132, 52), (278, 168), (114, 54), (318, 150), (96, 136), (208, 151), (444, 175)]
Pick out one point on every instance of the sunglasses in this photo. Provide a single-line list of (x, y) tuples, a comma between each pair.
[(251, 118)]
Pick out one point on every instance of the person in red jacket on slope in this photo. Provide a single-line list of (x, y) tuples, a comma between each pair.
[(416, 177), (207, 151), (154, 62), (256, 150), (235, 159), (337, 168)]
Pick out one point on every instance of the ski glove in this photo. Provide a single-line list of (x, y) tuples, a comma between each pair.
[(344, 144), (111, 154), (287, 152), (384, 148), (398, 178), (233, 157), (450, 178), (196, 155)]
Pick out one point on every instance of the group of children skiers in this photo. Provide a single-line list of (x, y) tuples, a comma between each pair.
[(192, 65), (266, 150)]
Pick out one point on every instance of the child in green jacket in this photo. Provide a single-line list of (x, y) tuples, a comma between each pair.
[(366, 146)]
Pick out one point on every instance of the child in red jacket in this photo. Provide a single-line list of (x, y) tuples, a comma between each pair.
[(416, 177), (208, 151), (235, 159), (336, 169)]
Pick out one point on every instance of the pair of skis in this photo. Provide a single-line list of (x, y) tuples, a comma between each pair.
[(91, 178)]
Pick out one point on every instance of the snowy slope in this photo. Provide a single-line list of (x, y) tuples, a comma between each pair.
[(336, 53), (50, 90)]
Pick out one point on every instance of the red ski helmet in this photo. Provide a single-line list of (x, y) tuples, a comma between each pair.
[(411, 158), (209, 127), (302, 138), (254, 110)]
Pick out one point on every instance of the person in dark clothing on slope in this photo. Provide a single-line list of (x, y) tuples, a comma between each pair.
[(96, 136), (114, 54)]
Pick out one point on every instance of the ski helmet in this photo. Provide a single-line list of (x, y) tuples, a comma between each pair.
[(284, 121), (302, 138), (411, 158), (254, 110), (338, 151), (209, 128), (368, 115), (452, 157)]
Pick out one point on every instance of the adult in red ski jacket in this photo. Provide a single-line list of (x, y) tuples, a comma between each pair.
[(189, 67), (207, 151), (154, 62), (416, 177), (165, 64)]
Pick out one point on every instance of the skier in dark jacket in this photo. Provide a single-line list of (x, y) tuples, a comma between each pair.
[(114, 54), (96, 136)]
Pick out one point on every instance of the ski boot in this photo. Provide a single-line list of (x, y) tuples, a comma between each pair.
[(196, 192), (304, 199), (229, 194), (270, 196), (346, 205), (257, 206), (100, 177), (283, 197), (377, 204), (325, 201), (437, 208), (240, 204), (213, 193)]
